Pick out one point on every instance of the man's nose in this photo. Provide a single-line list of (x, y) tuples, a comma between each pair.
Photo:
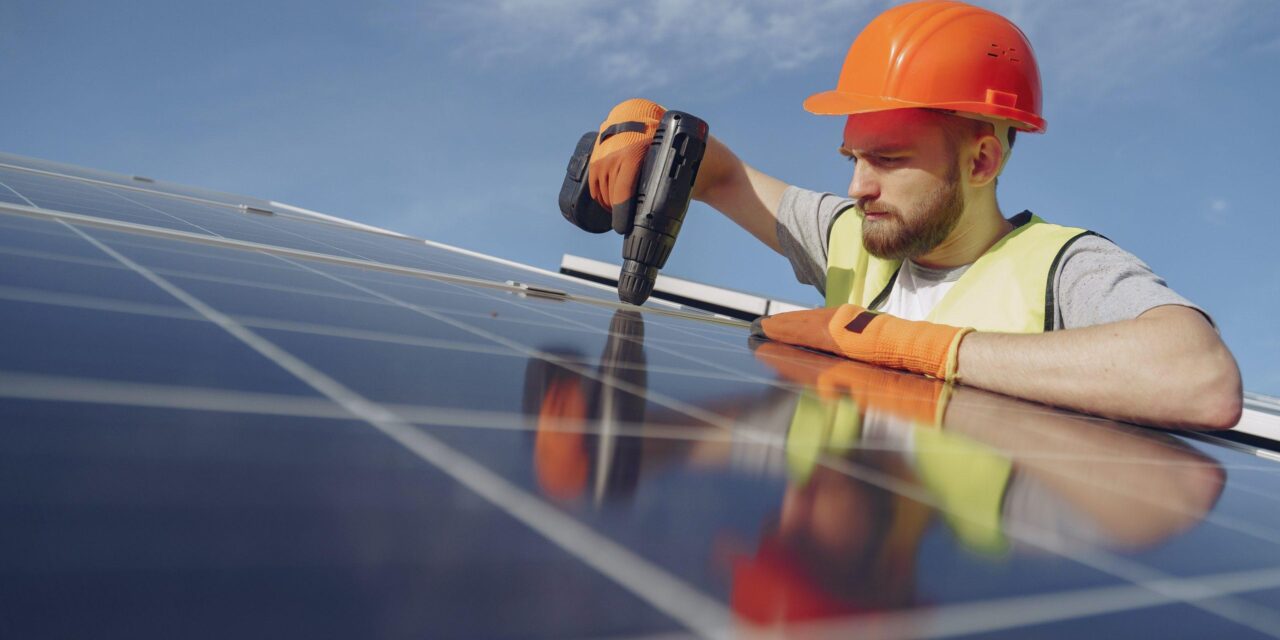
[(864, 184)]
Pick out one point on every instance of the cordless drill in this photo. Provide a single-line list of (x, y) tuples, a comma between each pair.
[(662, 198)]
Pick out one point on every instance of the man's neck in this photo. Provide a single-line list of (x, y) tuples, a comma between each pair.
[(980, 227)]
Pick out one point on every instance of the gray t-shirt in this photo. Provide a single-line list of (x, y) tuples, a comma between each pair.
[(1097, 281)]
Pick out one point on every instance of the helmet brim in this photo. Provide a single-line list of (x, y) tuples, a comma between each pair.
[(841, 103)]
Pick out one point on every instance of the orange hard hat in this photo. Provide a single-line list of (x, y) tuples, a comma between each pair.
[(939, 54)]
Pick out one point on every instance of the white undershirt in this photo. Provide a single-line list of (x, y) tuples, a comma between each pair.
[(917, 290)]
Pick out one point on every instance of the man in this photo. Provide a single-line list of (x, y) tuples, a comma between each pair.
[(921, 270)]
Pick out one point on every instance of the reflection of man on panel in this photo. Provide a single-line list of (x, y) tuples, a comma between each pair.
[(873, 460)]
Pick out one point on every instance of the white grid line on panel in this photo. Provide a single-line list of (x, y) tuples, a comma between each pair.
[(15, 192), (164, 213), (38, 387)]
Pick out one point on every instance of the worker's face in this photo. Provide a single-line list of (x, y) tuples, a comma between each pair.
[(906, 180)]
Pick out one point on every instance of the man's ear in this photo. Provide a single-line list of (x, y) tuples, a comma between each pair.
[(987, 161)]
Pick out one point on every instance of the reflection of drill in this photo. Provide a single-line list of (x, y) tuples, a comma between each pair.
[(662, 198), (580, 420)]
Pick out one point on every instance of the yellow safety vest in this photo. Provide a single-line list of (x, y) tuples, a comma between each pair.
[(1009, 289)]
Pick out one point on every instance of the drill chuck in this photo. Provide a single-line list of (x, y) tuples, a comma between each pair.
[(635, 282)]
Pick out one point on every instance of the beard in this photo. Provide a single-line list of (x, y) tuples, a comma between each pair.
[(895, 238)]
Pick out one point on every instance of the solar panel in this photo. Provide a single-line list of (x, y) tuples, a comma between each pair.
[(219, 422)]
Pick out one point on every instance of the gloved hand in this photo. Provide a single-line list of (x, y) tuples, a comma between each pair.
[(560, 460), (618, 157), (876, 338)]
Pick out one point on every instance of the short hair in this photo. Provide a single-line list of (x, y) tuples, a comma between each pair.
[(957, 128)]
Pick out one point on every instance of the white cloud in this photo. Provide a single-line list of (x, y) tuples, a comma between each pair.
[(1098, 48), (644, 44), (1087, 48), (1216, 212)]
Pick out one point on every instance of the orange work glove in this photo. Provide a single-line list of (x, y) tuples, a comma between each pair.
[(560, 459), (614, 169), (867, 336)]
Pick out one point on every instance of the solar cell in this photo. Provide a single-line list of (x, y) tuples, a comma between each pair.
[(226, 423)]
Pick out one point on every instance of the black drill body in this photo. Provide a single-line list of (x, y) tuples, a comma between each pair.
[(663, 190)]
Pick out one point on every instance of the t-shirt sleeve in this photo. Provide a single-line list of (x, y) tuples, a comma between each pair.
[(1098, 282), (804, 219)]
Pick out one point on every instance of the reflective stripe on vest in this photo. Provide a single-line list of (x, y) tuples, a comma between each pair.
[(1008, 289)]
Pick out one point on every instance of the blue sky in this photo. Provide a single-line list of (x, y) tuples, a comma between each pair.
[(453, 120)]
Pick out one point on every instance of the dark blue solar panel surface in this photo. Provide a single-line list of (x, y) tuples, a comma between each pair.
[(292, 446), (140, 204), (130, 181)]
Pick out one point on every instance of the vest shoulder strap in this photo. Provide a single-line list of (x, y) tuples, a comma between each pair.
[(853, 275)]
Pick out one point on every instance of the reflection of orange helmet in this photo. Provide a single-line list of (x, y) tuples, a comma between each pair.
[(773, 587), (779, 585), (939, 54)]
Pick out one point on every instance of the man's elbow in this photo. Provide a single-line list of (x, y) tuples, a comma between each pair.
[(1217, 398), (1202, 388)]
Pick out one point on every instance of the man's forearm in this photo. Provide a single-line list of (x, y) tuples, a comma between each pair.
[(1166, 368), (743, 194)]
